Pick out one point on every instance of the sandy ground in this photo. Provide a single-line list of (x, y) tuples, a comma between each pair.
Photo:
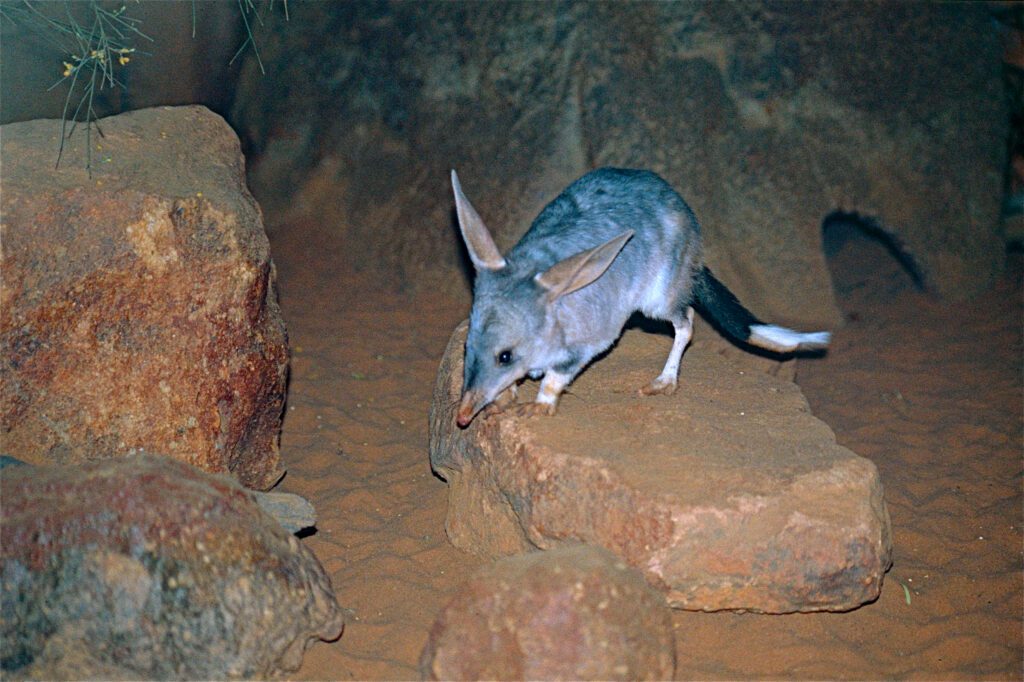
[(930, 391)]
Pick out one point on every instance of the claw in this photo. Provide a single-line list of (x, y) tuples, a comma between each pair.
[(505, 400), (491, 410), (531, 409), (659, 387)]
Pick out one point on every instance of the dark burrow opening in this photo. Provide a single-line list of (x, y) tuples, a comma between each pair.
[(866, 261)]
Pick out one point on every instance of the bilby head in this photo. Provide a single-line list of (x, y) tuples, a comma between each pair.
[(507, 340), (512, 331)]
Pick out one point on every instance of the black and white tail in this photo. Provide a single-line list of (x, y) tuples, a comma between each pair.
[(722, 306)]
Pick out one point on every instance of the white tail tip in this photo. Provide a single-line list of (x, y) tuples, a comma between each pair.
[(782, 340)]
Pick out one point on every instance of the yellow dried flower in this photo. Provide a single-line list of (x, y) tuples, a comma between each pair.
[(68, 68)]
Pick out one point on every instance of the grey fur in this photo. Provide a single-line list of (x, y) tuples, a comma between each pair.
[(614, 242)]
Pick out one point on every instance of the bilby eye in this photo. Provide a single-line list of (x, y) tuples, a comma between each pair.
[(505, 357)]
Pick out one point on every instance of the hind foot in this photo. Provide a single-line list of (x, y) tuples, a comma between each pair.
[(659, 386)]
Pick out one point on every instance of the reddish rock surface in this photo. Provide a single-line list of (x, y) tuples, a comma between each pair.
[(727, 495), (138, 308), (574, 613), (150, 568)]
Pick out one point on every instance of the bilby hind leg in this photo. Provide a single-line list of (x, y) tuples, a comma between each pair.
[(666, 381)]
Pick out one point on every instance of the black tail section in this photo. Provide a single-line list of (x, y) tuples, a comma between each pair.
[(722, 307)]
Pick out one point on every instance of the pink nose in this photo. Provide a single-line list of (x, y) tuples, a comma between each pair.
[(465, 416), (467, 410)]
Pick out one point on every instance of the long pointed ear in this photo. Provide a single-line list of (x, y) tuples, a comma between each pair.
[(482, 251), (576, 272)]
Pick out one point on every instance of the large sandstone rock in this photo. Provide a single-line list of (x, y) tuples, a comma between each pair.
[(147, 568), (727, 495), (137, 306), (575, 613), (766, 116)]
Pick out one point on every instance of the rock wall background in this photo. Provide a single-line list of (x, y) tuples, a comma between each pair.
[(766, 116)]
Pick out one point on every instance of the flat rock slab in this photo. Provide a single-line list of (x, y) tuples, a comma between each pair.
[(727, 495)]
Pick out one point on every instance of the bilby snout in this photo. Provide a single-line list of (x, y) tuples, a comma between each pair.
[(471, 404)]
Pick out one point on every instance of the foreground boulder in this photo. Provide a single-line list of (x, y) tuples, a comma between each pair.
[(767, 116), (574, 613), (137, 305), (727, 495), (145, 567)]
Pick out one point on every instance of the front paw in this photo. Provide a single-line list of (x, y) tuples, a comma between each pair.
[(505, 401), (492, 410), (507, 398), (531, 409)]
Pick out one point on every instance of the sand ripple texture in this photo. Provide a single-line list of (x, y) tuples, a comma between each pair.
[(930, 391)]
